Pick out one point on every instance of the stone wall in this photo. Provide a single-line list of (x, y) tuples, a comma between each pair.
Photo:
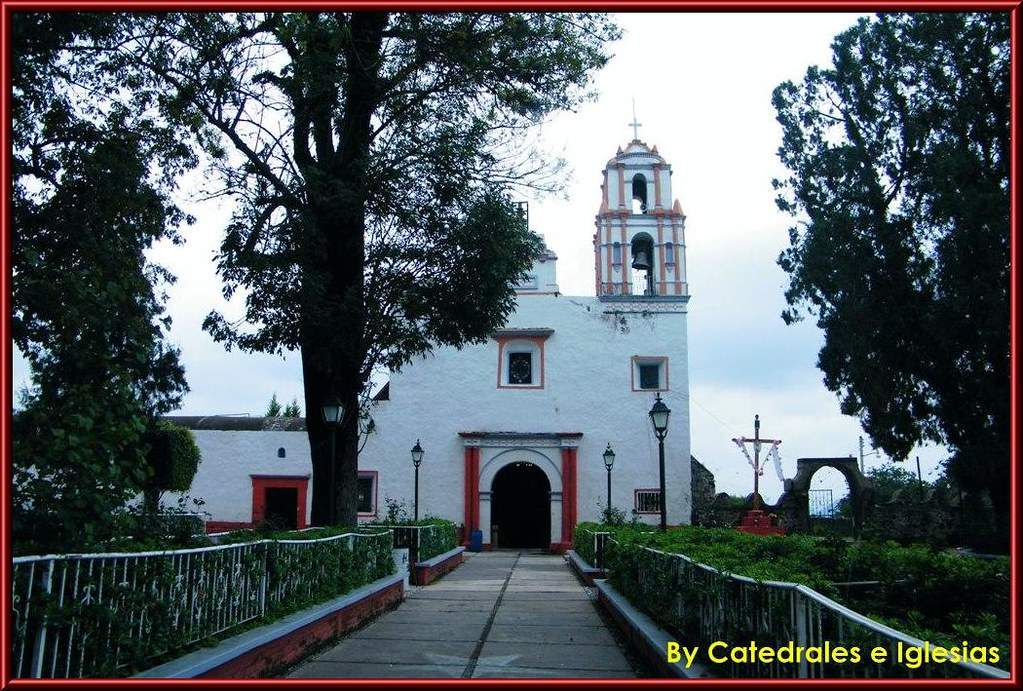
[(702, 488)]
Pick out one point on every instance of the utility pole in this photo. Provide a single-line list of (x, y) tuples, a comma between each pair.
[(919, 478), (874, 452)]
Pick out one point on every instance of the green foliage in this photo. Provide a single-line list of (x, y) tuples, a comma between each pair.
[(273, 409), (398, 512), (90, 197), (292, 409), (612, 515), (173, 457), (920, 591), (382, 202), (889, 479), (898, 160), (106, 633), (437, 536)]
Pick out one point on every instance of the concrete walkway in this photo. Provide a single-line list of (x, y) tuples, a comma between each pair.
[(500, 614)]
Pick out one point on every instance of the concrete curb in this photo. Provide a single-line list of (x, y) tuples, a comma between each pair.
[(285, 641), (584, 570), (426, 572), (650, 640)]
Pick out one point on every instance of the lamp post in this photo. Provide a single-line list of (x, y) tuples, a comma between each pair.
[(333, 412), (609, 461), (659, 415), (417, 458)]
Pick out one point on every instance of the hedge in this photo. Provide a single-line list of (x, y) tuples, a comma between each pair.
[(938, 596)]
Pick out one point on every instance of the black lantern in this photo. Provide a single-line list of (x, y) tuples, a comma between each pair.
[(659, 416), (333, 412), (609, 457), (609, 461)]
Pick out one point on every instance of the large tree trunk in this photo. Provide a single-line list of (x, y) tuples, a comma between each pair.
[(333, 323)]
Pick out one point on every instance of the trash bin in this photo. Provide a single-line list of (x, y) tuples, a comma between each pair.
[(476, 541)]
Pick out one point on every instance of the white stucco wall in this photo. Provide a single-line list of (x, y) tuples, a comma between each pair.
[(230, 458), (588, 389), (588, 383)]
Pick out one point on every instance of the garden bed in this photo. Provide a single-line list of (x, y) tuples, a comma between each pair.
[(940, 597), (113, 614)]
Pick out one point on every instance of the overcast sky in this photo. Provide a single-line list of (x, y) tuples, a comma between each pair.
[(702, 85)]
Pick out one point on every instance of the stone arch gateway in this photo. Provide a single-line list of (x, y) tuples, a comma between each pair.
[(795, 501)]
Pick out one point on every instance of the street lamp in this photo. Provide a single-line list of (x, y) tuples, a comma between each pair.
[(609, 461), (417, 458), (659, 415), (333, 412)]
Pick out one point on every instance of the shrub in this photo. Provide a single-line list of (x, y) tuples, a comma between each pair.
[(937, 596)]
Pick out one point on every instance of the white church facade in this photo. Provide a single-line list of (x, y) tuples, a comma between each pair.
[(514, 430)]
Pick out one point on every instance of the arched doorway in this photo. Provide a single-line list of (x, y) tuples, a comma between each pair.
[(797, 490), (829, 503), (520, 514)]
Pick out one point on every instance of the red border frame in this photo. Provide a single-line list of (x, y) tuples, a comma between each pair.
[(504, 340), (261, 483), (6, 350)]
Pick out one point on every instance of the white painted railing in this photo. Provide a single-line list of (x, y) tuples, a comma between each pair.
[(423, 541), (78, 615), (705, 605)]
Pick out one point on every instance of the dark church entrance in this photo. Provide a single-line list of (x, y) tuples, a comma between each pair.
[(520, 514)]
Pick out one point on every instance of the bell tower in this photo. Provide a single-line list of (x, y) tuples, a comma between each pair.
[(639, 247)]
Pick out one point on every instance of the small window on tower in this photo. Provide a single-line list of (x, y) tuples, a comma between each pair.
[(649, 376), (616, 254), (669, 253), (520, 368), (649, 373)]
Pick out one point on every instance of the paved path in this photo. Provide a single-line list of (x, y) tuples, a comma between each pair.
[(500, 614)]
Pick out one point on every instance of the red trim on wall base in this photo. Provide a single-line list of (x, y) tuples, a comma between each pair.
[(568, 493), (224, 526)]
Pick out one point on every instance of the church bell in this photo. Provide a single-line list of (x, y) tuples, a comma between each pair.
[(641, 260)]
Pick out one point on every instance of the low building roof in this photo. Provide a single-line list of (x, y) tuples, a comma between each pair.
[(238, 423)]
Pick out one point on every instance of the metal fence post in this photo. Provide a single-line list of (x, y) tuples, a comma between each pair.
[(39, 646)]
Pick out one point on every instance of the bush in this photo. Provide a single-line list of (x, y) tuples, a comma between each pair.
[(173, 459), (937, 596)]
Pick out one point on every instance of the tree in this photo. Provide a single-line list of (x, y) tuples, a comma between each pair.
[(371, 156), (889, 479), (273, 409), (898, 160), (293, 409), (173, 459), (86, 310)]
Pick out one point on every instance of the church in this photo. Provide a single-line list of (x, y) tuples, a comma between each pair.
[(514, 432)]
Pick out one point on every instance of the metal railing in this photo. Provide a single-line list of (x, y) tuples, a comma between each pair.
[(706, 605), (77, 615), (423, 541)]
